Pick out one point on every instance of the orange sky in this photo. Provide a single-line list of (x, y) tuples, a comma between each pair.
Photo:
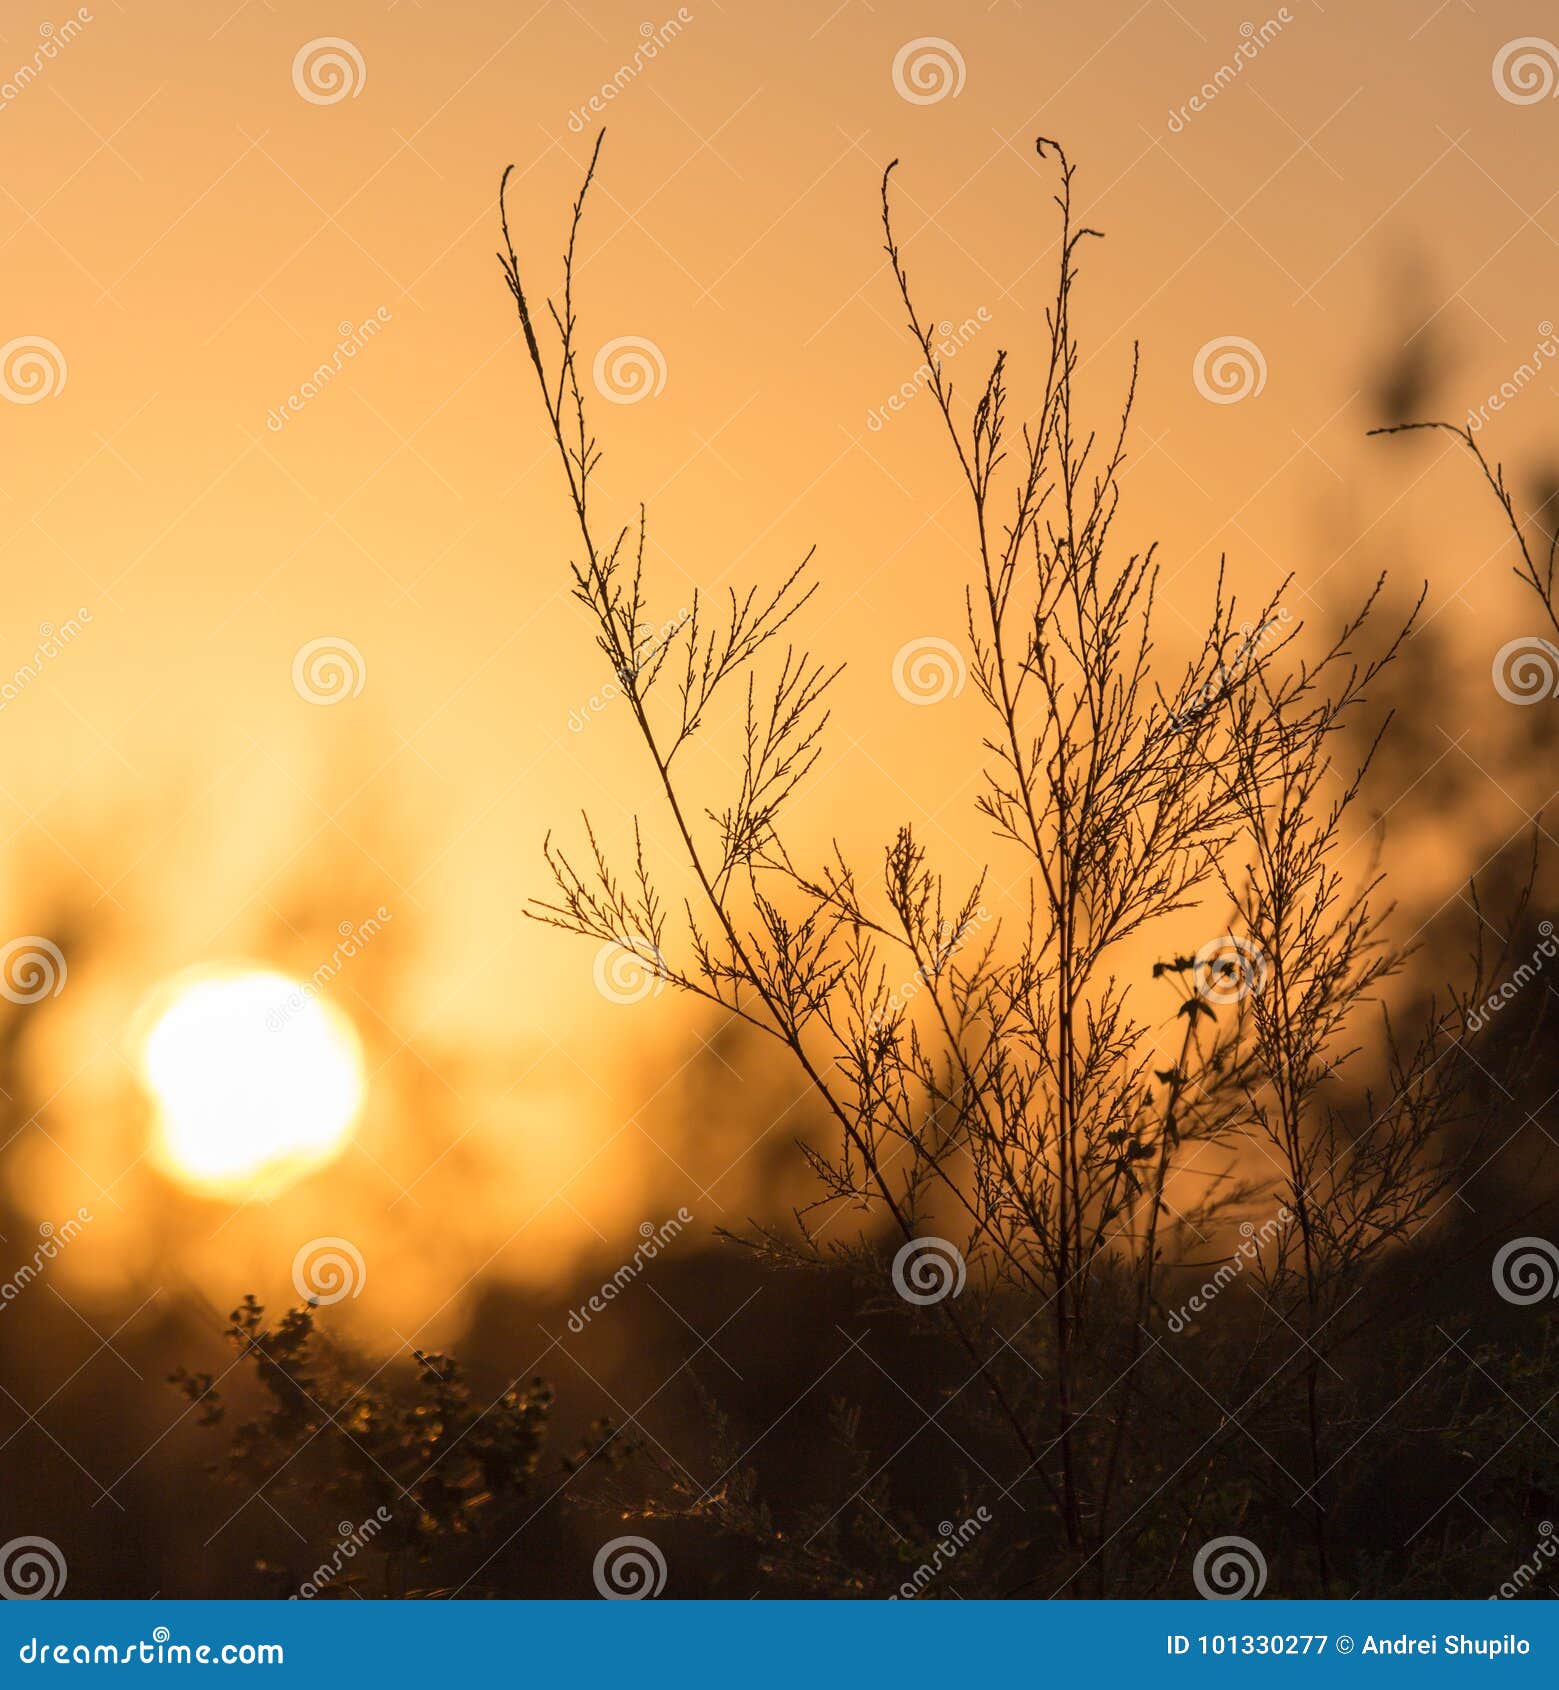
[(194, 236)]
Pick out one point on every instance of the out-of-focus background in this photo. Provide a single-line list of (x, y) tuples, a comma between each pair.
[(290, 681)]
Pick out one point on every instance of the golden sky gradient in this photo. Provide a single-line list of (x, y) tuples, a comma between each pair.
[(196, 236)]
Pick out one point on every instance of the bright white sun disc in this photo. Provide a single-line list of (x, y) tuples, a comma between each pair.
[(256, 1081)]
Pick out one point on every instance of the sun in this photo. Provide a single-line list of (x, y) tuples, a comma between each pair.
[(255, 1081)]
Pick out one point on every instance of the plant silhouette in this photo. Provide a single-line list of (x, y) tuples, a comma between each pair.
[(1026, 1097)]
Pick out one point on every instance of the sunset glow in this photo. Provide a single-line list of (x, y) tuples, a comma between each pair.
[(255, 1083), (777, 825)]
